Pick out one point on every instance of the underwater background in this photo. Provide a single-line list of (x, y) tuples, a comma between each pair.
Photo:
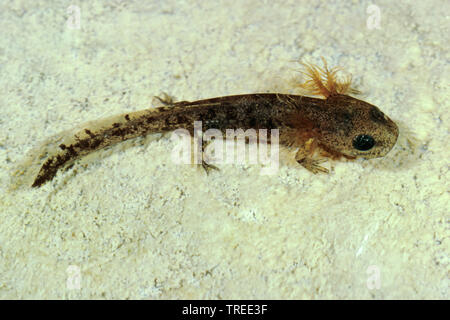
[(127, 223)]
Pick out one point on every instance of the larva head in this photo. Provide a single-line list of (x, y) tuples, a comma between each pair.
[(355, 128)]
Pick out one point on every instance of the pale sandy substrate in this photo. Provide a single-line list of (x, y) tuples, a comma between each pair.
[(134, 225)]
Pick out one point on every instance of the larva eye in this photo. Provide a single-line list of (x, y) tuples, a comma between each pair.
[(363, 142)]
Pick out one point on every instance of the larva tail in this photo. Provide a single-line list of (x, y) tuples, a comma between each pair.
[(43, 162)]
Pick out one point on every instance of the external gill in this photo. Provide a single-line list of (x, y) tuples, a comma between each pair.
[(324, 81)]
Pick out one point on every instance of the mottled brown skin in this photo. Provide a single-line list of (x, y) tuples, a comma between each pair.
[(318, 128)]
